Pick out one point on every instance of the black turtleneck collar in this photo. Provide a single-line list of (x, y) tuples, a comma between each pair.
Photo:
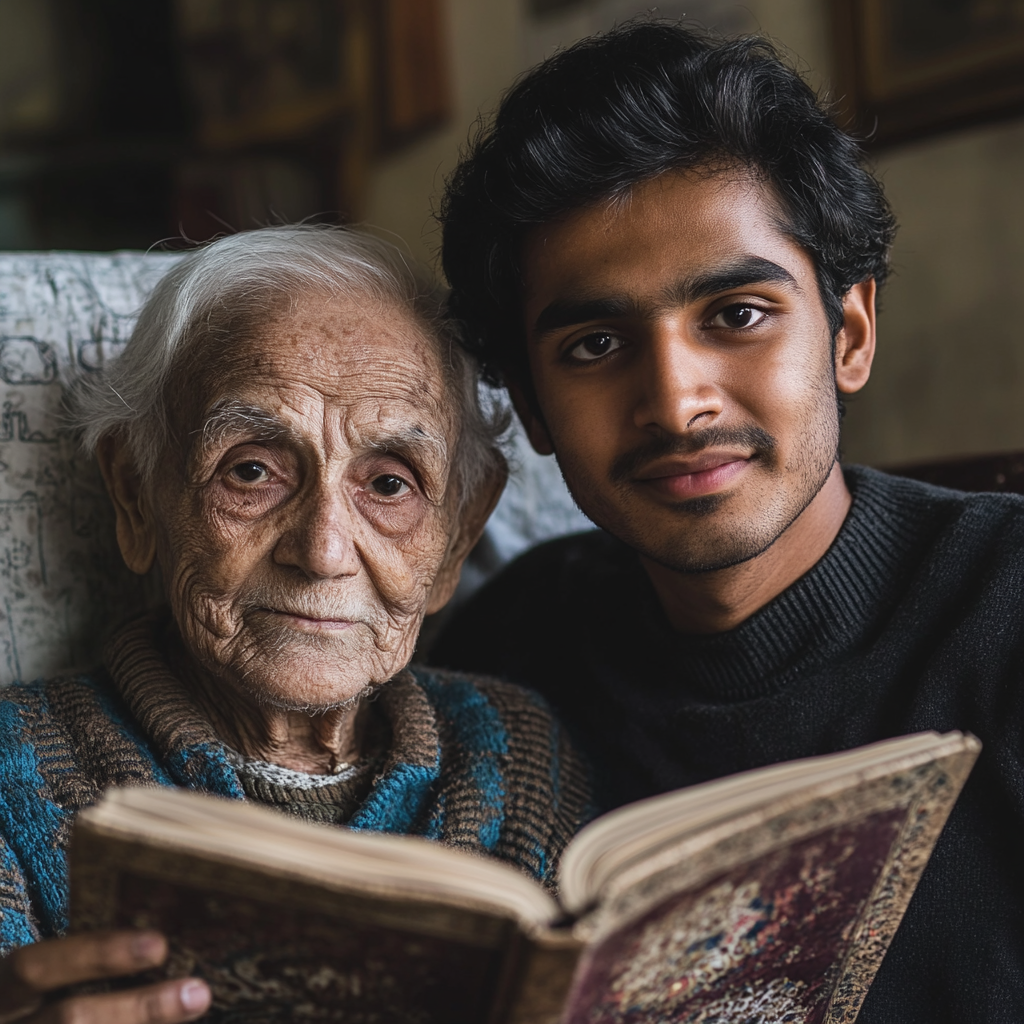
[(835, 607)]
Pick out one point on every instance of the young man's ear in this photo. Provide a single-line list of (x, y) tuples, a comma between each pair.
[(468, 530), (526, 410), (855, 342), (136, 531)]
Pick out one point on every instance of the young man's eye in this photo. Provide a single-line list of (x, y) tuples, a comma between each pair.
[(389, 486), (250, 472), (594, 346), (737, 317)]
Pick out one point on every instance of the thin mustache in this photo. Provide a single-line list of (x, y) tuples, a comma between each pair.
[(628, 464)]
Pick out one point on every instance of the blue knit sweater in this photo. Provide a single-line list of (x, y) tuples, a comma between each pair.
[(471, 762)]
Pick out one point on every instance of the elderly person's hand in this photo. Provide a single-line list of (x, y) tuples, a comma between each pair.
[(30, 976)]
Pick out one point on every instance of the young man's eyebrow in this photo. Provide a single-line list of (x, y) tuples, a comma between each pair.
[(741, 273), (566, 313), (749, 270)]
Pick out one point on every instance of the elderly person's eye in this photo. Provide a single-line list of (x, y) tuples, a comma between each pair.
[(389, 485), (250, 472)]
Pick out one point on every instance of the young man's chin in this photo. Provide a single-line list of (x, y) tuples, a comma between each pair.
[(713, 552), (705, 533)]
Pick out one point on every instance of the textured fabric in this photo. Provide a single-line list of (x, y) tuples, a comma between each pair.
[(62, 578), (913, 620), (328, 799), (473, 763)]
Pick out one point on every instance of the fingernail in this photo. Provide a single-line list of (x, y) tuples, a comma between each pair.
[(194, 995), (148, 947)]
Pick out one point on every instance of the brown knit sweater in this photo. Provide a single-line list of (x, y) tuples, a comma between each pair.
[(467, 761)]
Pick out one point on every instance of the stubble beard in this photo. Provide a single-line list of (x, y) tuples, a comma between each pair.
[(713, 532)]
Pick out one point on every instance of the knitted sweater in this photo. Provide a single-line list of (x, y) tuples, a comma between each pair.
[(474, 763), (913, 620)]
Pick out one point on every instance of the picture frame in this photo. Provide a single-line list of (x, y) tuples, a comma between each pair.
[(910, 68)]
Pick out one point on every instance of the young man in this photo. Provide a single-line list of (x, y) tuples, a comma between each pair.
[(669, 253)]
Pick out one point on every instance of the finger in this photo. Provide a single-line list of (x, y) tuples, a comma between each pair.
[(167, 1003), (32, 970)]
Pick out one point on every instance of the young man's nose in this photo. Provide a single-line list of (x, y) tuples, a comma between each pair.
[(321, 541), (676, 383)]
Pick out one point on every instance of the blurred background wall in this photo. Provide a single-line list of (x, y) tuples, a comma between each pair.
[(122, 124)]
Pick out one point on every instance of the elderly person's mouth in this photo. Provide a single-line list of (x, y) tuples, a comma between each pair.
[(305, 622)]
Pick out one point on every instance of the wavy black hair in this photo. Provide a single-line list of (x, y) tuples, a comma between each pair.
[(621, 108)]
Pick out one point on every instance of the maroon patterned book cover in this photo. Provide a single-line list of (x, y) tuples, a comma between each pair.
[(756, 944), (267, 962)]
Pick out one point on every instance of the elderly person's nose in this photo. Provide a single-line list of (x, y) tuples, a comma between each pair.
[(320, 542)]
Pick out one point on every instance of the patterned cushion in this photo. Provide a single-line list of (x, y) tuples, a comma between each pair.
[(62, 582)]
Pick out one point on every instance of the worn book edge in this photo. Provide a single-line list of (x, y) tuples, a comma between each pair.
[(98, 859), (940, 785)]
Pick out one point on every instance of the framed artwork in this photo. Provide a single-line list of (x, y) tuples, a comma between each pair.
[(413, 85), (908, 68), (292, 99)]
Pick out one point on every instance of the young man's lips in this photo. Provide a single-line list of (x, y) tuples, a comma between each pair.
[(694, 478)]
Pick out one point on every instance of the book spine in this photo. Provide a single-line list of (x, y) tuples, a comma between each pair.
[(546, 971)]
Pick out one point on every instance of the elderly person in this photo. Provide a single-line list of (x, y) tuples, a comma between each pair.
[(293, 437)]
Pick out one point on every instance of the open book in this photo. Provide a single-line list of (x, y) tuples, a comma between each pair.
[(766, 896)]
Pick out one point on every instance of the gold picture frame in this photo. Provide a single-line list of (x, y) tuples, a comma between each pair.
[(908, 68)]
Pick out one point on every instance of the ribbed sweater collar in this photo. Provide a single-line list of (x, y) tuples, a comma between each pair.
[(833, 607), (186, 744)]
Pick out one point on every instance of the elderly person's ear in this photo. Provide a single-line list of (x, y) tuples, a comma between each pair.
[(468, 530), (136, 533)]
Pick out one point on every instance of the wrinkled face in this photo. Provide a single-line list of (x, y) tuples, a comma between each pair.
[(682, 364), (300, 538)]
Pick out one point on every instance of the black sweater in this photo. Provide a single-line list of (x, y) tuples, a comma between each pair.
[(913, 620)]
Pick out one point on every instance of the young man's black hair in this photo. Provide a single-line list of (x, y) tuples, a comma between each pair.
[(670, 254), (622, 108)]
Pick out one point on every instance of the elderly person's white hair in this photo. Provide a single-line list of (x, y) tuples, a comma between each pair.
[(249, 275)]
